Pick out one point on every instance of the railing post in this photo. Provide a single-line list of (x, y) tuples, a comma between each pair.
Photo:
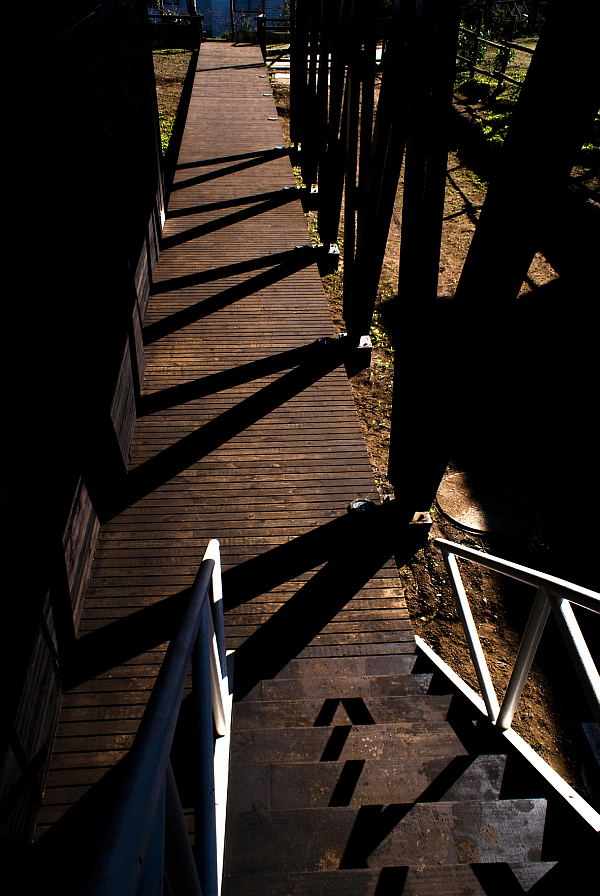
[(477, 655), (261, 33), (579, 653), (531, 638)]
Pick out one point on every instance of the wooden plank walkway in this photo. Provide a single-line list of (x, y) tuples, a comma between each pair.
[(349, 772), (248, 434)]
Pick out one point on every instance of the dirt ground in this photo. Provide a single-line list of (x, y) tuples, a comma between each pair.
[(547, 717), (170, 69)]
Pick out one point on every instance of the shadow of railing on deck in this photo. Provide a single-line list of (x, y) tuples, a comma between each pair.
[(353, 548), (259, 154), (231, 203), (280, 264), (151, 474), (276, 199), (226, 379), (267, 156)]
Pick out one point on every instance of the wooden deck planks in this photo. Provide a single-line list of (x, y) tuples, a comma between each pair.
[(247, 434)]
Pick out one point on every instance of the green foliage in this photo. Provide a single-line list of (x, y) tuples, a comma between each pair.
[(166, 123)]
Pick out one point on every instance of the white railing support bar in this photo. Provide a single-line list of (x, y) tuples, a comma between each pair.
[(579, 653), (583, 597), (219, 685), (477, 655), (216, 682), (213, 553), (204, 797), (531, 638)]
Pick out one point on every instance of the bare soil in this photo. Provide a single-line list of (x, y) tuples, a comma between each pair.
[(170, 70), (548, 716)]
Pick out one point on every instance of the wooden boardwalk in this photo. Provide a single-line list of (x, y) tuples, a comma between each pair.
[(248, 433), (349, 773)]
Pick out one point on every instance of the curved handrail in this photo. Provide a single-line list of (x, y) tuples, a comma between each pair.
[(120, 867)]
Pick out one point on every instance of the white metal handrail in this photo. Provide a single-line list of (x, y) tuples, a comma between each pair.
[(554, 595), (146, 839)]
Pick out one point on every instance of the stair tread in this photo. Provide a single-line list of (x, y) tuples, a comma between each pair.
[(384, 741), (425, 880), (338, 687), (348, 666), (362, 782), (453, 832), (305, 713)]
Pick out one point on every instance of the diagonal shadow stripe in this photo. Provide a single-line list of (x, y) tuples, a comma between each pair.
[(278, 199), (296, 262), (349, 777), (230, 203), (498, 879), (190, 449), (369, 540), (372, 827), (230, 270), (392, 881), (316, 547), (229, 169), (227, 379), (119, 641), (275, 152), (373, 824), (335, 744), (220, 68)]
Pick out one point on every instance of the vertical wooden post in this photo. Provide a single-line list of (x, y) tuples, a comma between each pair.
[(298, 69), (322, 102), (261, 29), (537, 156), (367, 105), (475, 52), (505, 57), (309, 154), (381, 182), (416, 465), (331, 178), (351, 154)]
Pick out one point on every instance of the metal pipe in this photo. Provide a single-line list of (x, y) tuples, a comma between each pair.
[(477, 655), (579, 653), (120, 857), (529, 644), (153, 867), (180, 869)]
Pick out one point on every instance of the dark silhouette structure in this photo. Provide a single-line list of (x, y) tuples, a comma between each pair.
[(73, 354), (75, 358)]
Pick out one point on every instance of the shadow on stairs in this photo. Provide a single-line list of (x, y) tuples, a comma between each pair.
[(372, 775)]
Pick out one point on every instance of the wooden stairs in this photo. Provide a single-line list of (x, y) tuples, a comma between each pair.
[(371, 775)]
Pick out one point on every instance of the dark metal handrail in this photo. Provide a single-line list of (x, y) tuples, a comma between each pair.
[(147, 813)]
